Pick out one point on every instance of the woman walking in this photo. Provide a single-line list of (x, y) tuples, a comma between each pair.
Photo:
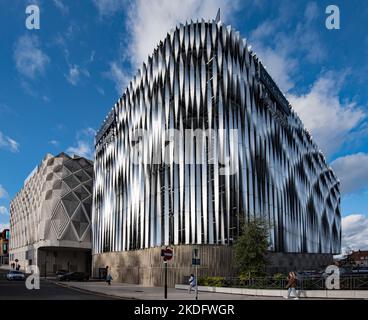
[(291, 285)]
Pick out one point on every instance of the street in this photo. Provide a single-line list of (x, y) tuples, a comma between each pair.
[(16, 290)]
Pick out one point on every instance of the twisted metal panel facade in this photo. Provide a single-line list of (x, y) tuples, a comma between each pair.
[(204, 76)]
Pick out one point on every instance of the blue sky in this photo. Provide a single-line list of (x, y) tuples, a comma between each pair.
[(58, 83)]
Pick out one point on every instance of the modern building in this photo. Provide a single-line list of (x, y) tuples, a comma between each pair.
[(50, 224), (4, 247), (260, 161)]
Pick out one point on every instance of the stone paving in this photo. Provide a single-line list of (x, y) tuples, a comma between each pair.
[(132, 291)]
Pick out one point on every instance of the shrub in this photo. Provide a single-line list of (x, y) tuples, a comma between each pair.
[(279, 276), (211, 281)]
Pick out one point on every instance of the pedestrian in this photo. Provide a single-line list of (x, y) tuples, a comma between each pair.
[(291, 285), (109, 279), (192, 282)]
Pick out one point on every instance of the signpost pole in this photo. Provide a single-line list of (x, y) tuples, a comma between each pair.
[(167, 255), (196, 262), (196, 278), (165, 262)]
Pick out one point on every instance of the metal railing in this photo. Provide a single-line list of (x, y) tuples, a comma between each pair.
[(356, 282)]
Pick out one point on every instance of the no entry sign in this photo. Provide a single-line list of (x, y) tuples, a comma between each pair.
[(167, 254)]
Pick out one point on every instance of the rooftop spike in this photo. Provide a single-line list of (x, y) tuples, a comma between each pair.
[(218, 16)]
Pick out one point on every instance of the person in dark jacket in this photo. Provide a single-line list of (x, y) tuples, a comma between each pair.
[(291, 285), (192, 282)]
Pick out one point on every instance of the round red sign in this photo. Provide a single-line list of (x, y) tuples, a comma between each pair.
[(168, 254)]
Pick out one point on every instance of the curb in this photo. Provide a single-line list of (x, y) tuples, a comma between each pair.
[(96, 293)]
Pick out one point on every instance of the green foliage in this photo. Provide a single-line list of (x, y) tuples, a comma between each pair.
[(251, 247), (211, 281), (279, 276)]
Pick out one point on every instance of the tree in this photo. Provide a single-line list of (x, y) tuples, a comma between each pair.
[(250, 249)]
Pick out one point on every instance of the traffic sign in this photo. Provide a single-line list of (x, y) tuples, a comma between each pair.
[(196, 262), (167, 254)]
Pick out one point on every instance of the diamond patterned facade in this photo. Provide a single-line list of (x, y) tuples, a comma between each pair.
[(53, 209), (204, 76)]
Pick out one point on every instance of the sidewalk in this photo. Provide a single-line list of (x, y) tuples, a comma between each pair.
[(133, 291), (5, 267)]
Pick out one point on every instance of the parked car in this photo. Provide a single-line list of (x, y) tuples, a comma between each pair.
[(308, 274), (351, 271), (15, 275), (61, 272), (359, 271), (73, 276)]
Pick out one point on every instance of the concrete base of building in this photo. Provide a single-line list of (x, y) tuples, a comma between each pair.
[(146, 266), (285, 262), (51, 259)]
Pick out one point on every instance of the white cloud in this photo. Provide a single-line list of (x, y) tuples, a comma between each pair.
[(352, 170), (109, 7), (355, 232), (4, 226), (311, 11), (327, 117), (30, 60), (75, 73), (55, 143), (279, 65), (279, 44), (64, 9), (119, 77), (150, 21), (3, 210), (101, 91), (84, 145), (8, 143), (3, 192), (83, 149)]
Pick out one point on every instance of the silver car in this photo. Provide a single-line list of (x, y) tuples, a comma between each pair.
[(15, 275)]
